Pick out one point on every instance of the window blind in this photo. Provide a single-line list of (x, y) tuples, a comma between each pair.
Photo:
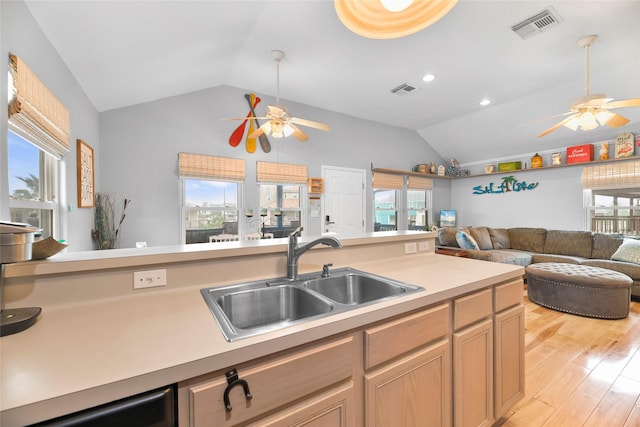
[(612, 175), (211, 167), (281, 172), (419, 183), (35, 111), (387, 181)]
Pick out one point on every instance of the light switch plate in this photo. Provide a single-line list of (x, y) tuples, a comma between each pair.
[(410, 248)]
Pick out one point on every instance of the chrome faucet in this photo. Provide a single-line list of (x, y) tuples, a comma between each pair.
[(294, 251)]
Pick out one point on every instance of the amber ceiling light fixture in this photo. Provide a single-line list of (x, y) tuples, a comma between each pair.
[(390, 19)]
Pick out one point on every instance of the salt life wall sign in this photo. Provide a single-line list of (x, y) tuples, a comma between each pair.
[(508, 184)]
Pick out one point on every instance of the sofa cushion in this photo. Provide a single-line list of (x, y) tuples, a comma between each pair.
[(500, 238), (567, 259), (465, 241), (605, 245), (573, 243), (629, 251), (482, 237), (528, 239), (510, 257), (630, 269), (447, 237)]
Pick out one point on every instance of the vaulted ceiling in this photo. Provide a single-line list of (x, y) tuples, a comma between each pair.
[(130, 52)]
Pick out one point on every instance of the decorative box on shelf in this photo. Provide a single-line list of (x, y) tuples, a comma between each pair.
[(509, 166), (624, 145), (580, 153)]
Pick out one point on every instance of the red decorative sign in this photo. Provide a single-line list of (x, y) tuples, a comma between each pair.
[(580, 153)]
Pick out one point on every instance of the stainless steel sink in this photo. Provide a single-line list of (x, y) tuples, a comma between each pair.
[(253, 308), (355, 288)]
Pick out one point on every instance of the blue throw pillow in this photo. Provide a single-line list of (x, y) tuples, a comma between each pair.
[(465, 241)]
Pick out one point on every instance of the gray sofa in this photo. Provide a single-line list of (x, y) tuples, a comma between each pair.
[(524, 246)]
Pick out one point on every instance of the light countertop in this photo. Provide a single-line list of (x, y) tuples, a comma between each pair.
[(80, 355)]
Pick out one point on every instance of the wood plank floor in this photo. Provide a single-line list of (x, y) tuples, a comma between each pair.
[(579, 371)]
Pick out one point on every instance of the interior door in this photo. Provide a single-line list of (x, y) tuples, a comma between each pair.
[(343, 207)]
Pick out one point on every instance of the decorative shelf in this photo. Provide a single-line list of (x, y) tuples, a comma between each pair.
[(315, 185), (409, 173)]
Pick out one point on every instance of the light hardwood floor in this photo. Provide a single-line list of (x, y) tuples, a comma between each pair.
[(579, 371)]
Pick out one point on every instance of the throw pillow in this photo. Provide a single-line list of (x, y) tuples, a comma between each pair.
[(465, 241), (629, 251)]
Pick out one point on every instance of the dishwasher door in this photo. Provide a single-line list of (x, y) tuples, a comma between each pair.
[(155, 408)]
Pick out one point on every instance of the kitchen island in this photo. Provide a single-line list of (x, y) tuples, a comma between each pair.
[(99, 340)]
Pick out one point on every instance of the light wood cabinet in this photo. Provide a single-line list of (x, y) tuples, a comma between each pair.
[(411, 392)]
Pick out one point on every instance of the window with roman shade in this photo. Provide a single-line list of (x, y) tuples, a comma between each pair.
[(211, 197), (386, 189), (281, 172), (281, 189), (418, 202), (612, 196), (35, 112)]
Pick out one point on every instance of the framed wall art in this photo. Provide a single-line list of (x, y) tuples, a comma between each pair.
[(86, 188)]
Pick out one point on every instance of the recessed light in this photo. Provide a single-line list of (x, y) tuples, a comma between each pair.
[(429, 77), (485, 102)]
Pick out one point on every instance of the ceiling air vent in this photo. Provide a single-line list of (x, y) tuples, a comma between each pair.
[(404, 89), (538, 23)]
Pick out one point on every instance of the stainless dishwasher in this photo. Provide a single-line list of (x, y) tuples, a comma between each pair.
[(155, 408)]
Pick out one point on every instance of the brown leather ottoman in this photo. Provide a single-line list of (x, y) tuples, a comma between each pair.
[(579, 289)]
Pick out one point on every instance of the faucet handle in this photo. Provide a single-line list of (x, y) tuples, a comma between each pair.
[(296, 232), (325, 269)]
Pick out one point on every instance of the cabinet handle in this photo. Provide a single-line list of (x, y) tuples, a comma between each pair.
[(232, 381)]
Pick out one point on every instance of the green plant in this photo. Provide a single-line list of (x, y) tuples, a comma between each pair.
[(106, 233)]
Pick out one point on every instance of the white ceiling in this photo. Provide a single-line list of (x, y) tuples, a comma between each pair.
[(129, 52)]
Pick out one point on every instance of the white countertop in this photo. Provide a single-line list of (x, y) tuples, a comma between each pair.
[(79, 355)]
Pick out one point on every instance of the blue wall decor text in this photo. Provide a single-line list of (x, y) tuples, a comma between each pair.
[(509, 183)]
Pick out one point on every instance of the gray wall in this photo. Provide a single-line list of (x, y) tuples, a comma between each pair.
[(21, 35), (140, 144)]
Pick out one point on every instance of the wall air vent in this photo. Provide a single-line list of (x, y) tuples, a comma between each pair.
[(538, 23), (404, 89)]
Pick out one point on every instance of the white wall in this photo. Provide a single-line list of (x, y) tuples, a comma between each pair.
[(140, 145), (21, 35), (556, 203)]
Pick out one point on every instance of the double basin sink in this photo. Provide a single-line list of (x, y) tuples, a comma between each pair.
[(253, 308)]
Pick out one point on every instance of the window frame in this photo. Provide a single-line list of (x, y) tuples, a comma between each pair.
[(615, 223)]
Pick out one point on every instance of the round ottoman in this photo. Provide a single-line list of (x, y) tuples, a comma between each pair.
[(579, 289)]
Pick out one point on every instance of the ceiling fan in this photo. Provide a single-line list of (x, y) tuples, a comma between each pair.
[(279, 123), (592, 110)]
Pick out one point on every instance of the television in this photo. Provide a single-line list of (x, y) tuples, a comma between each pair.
[(447, 218)]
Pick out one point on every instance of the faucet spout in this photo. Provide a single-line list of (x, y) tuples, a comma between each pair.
[(294, 252)]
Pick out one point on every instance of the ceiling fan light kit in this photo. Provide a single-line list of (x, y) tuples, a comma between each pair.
[(592, 110), (389, 19)]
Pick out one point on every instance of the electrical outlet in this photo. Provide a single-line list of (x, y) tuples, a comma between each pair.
[(423, 246), (149, 279), (410, 248)]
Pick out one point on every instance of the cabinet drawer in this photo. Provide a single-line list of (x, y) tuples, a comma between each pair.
[(273, 383), (471, 308), (394, 338), (508, 295)]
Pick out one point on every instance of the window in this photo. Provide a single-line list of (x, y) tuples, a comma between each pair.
[(385, 213), (211, 208), (32, 185), (616, 211), (211, 196), (418, 203), (282, 205)]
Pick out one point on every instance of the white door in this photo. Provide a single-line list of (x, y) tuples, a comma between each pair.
[(343, 208)]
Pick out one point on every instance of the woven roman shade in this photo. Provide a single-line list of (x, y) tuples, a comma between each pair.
[(281, 172), (419, 183), (387, 181), (210, 167), (612, 175), (36, 112)]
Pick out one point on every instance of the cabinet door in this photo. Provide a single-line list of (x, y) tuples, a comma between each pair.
[(413, 391), (333, 408), (509, 359), (473, 375)]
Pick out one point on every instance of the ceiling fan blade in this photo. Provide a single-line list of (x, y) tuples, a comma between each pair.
[(617, 120), (310, 123), (556, 126), (624, 103), (247, 118), (261, 130), (298, 133), (545, 119)]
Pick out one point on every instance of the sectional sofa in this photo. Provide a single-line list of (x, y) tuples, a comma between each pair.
[(524, 246)]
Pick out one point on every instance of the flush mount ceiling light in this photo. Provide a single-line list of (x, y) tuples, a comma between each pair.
[(389, 19), (484, 102), (429, 77)]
